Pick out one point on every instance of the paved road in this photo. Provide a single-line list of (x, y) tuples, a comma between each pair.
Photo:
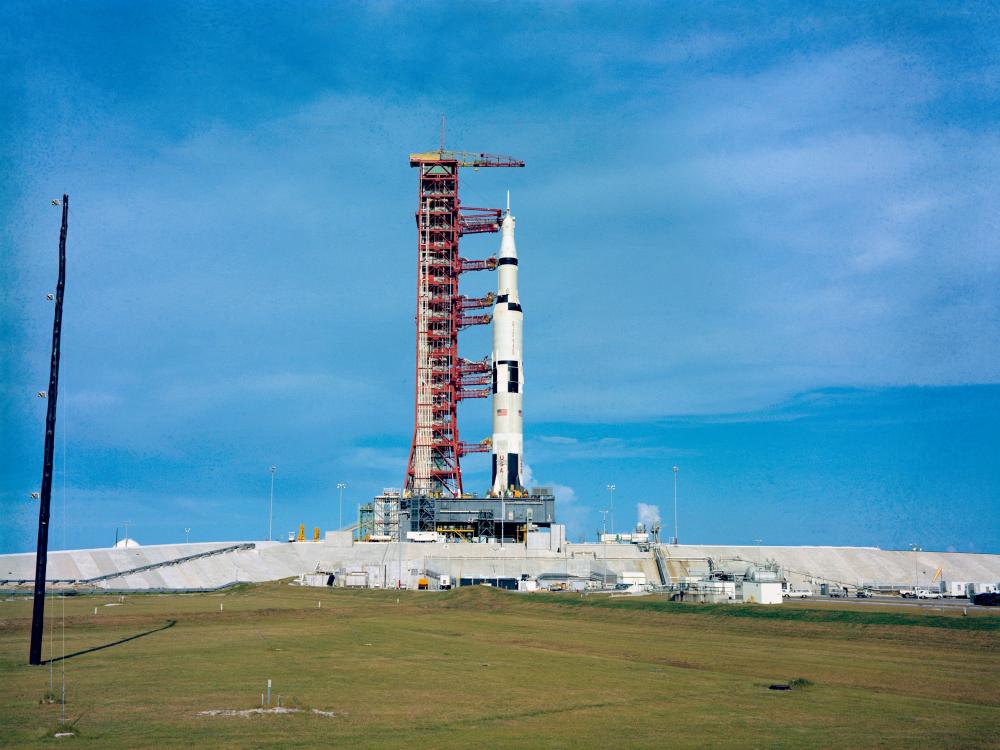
[(894, 601)]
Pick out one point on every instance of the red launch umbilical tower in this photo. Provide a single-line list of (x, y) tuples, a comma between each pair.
[(444, 378)]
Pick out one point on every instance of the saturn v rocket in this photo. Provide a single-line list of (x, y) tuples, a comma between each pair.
[(508, 373)]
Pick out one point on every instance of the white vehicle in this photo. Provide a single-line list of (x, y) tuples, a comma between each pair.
[(424, 537), (928, 594), (445, 582), (797, 593)]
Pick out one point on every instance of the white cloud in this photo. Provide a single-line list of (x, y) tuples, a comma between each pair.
[(573, 449), (391, 461), (565, 495)]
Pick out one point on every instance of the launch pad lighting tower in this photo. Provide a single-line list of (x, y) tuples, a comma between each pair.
[(341, 486), (442, 377), (270, 504), (611, 489), (675, 505)]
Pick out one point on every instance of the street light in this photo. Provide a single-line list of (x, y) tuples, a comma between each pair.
[(186, 532), (675, 504), (611, 489), (270, 505), (341, 486)]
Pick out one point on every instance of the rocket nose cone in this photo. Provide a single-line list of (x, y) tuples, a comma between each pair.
[(507, 247), (508, 221)]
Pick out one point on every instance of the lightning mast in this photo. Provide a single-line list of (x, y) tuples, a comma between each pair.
[(42, 552), (443, 378)]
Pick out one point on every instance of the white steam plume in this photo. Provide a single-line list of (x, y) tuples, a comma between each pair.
[(648, 514)]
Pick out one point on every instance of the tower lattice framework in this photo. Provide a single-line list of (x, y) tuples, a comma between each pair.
[(443, 378)]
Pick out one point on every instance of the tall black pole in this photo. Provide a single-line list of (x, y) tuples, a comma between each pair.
[(41, 556)]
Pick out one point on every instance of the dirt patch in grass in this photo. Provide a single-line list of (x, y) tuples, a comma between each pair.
[(246, 713)]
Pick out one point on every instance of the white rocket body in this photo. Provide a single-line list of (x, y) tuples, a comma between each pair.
[(508, 373)]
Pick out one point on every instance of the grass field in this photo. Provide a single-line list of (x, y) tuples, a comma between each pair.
[(487, 669)]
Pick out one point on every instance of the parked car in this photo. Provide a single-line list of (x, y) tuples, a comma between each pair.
[(987, 600), (837, 593), (863, 594), (796, 593), (928, 594)]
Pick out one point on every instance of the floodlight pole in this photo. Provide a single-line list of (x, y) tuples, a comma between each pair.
[(611, 489), (270, 504), (45, 496), (341, 486), (675, 505)]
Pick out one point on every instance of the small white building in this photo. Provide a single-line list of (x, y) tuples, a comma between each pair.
[(762, 592), (316, 579)]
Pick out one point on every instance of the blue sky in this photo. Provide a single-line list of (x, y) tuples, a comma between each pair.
[(758, 241)]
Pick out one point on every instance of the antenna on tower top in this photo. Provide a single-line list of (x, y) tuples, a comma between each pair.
[(508, 201), (442, 131)]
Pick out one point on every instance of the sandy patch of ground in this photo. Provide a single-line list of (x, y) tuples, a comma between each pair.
[(247, 713)]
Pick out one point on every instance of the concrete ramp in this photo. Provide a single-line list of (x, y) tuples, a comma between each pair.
[(852, 566), (207, 566)]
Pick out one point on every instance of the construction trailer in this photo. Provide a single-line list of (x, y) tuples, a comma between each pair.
[(954, 589), (981, 587)]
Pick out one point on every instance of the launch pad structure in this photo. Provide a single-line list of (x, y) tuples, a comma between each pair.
[(433, 498), (391, 517), (443, 378)]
